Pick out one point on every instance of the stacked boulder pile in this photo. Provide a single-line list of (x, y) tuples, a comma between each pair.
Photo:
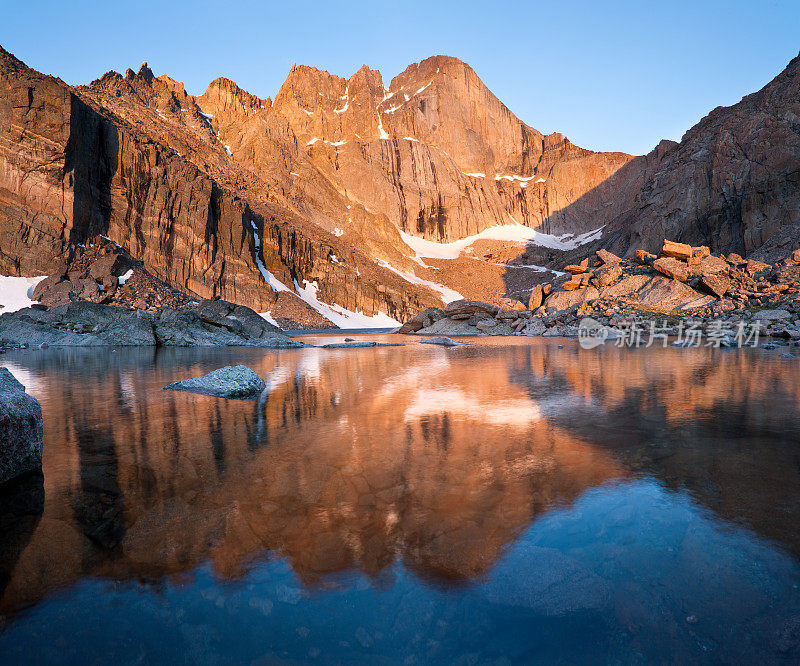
[(682, 285), (101, 272)]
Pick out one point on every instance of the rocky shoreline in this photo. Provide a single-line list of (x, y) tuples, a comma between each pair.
[(209, 323), (683, 287)]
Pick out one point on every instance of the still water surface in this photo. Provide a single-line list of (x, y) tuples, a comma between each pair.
[(507, 501)]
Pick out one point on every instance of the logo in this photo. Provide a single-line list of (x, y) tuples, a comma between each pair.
[(591, 333)]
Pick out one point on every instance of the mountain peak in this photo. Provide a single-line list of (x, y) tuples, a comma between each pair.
[(225, 96), (437, 64), (145, 72)]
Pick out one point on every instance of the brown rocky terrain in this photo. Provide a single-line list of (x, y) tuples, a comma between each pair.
[(72, 169), (683, 286), (440, 155)]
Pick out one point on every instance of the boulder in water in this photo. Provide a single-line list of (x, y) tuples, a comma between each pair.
[(232, 381), (358, 345), (21, 427), (422, 320), (443, 341)]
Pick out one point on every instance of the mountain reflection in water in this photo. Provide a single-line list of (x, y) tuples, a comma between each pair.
[(461, 471)]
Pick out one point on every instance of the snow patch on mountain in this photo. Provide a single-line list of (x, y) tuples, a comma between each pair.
[(346, 104), (381, 132), (506, 232), (447, 294), (16, 292), (341, 316)]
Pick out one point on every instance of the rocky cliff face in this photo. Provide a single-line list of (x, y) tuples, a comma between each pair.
[(134, 158), (36, 183), (733, 182)]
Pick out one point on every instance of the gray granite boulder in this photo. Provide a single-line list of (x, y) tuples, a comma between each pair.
[(767, 315), (449, 326), (21, 429), (232, 381)]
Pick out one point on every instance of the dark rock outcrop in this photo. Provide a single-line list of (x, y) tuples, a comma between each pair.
[(80, 324), (21, 429), (732, 183), (421, 320)]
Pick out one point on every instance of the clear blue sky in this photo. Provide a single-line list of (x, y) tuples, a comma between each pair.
[(610, 75)]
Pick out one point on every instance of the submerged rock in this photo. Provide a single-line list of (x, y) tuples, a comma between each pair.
[(232, 381), (21, 429), (554, 584), (349, 345), (443, 341)]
